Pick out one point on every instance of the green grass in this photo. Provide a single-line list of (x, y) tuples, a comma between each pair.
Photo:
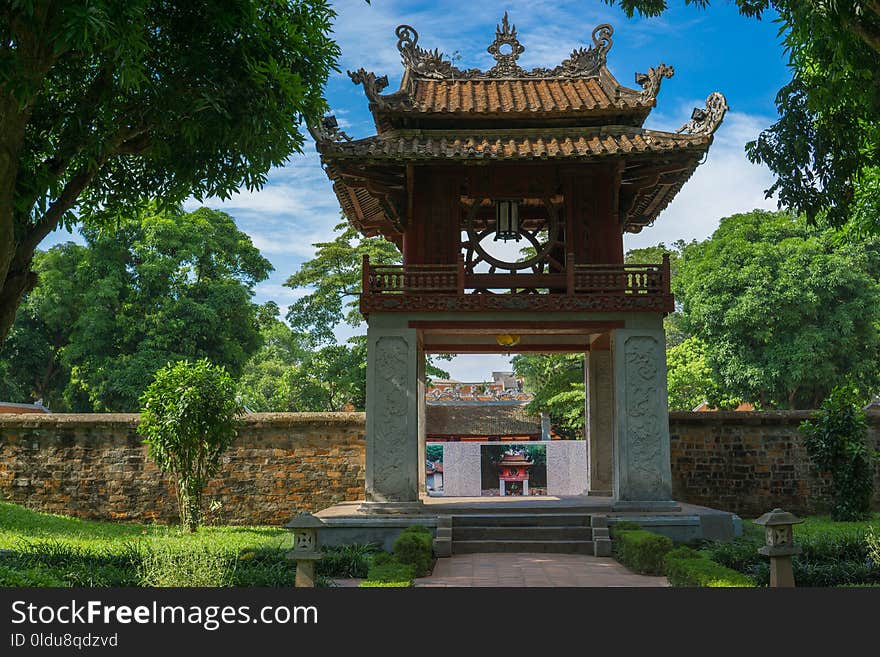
[(17, 523), (53, 550)]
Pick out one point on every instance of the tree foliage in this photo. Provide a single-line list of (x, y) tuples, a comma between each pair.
[(104, 104), (557, 381), (189, 418), (691, 380), (157, 287), (827, 137), (334, 278), (836, 438), (786, 310)]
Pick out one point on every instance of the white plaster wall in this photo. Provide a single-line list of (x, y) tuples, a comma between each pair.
[(461, 470), (567, 472)]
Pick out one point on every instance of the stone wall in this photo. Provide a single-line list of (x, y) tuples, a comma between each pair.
[(750, 462), (96, 467)]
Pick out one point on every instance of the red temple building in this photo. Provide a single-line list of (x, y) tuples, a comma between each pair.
[(466, 168)]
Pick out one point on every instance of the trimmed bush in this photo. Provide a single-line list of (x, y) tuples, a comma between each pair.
[(623, 526), (390, 573), (414, 547), (687, 567), (642, 551)]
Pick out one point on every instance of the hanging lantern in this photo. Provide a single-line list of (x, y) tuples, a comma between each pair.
[(507, 340), (507, 220)]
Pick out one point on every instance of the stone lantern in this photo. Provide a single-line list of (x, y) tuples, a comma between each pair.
[(779, 545), (305, 548)]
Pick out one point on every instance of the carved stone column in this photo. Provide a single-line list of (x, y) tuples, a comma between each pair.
[(642, 476), (392, 457), (600, 416), (422, 420)]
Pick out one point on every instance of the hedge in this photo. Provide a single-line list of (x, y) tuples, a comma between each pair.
[(687, 567), (642, 551), (414, 547)]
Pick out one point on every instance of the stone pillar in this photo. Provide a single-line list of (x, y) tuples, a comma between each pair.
[(598, 383), (392, 457), (642, 477), (422, 420)]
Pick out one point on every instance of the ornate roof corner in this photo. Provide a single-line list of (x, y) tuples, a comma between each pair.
[(373, 86), (327, 131), (425, 63), (650, 81), (706, 121)]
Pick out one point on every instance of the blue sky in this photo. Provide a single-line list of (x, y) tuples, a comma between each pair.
[(711, 50)]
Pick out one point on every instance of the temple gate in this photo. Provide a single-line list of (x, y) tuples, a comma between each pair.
[(468, 167)]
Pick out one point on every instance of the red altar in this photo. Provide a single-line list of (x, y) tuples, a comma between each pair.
[(513, 469)]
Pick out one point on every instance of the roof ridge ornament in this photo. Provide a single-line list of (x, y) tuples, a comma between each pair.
[(505, 58), (650, 81), (582, 63), (706, 121)]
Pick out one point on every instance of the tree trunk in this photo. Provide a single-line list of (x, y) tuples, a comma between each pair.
[(17, 283)]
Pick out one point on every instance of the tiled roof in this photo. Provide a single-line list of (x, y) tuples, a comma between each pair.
[(557, 143), (526, 96), (480, 420)]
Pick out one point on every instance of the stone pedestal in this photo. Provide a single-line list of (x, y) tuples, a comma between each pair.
[(392, 455), (599, 387), (642, 476)]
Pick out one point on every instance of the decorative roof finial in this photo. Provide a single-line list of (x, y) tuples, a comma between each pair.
[(706, 121), (505, 57)]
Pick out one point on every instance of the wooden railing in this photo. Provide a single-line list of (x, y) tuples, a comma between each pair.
[(576, 280)]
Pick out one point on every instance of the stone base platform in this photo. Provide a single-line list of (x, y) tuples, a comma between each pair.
[(360, 522)]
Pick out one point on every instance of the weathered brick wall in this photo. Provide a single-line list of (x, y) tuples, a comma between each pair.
[(749, 463), (96, 467)]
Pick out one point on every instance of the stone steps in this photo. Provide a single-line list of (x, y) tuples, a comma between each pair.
[(521, 520), (518, 533), (544, 532), (556, 547)]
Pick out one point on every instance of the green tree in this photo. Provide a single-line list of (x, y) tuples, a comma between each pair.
[(836, 438), (334, 276), (557, 381), (786, 310), (158, 287), (828, 133), (106, 103), (189, 418), (691, 381), (31, 360)]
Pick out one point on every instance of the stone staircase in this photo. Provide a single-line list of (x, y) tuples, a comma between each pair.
[(569, 533)]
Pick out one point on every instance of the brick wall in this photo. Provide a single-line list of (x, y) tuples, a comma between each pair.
[(750, 462), (96, 467)]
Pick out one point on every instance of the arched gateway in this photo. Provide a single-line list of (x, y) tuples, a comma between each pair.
[(466, 162)]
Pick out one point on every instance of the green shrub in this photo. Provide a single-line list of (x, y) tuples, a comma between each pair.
[(164, 566), (346, 560), (414, 547), (687, 567), (615, 528), (836, 439), (642, 551), (391, 573), (189, 417)]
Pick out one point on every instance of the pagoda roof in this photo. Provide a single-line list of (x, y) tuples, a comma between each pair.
[(576, 112), (579, 91), (511, 144)]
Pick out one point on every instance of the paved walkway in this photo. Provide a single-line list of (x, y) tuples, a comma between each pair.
[(534, 570)]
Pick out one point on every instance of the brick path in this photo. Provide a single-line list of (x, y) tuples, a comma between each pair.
[(534, 570)]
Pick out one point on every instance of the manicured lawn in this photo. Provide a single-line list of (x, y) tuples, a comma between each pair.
[(41, 549)]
